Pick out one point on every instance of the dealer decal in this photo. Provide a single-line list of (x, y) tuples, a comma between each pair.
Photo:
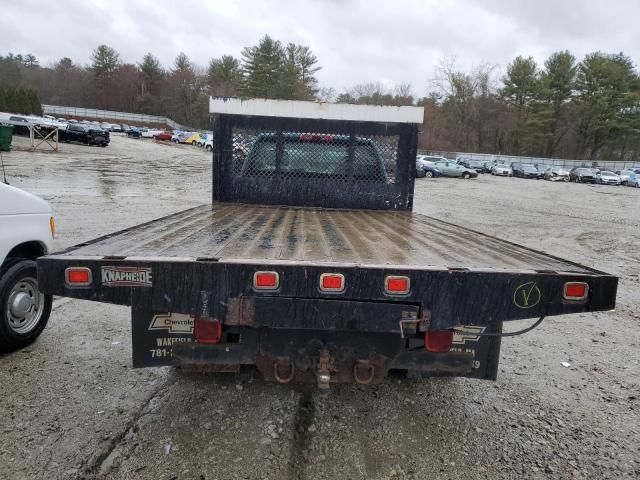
[(527, 295), (117, 276), (172, 323), (467, 333)]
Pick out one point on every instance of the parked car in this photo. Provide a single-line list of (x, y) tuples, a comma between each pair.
[(27, 227), (502, 169), (487, 165), (163, 136), (208, 146), (624, 175), (134, 133), (84, 134), (426, 169), (607, 178), (151, 132), (203, 139), (526, 170), (582, 175), (556, 174), (193, 139), (476, 165), (431, 158), (181, 137), (634, 180), (450, 168)]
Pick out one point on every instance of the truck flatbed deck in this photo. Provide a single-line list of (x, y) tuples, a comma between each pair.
[(251, 233)]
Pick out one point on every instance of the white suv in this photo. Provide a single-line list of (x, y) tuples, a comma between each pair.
[(26, 232)]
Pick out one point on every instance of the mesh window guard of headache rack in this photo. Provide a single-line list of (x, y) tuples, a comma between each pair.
[(333, 164)]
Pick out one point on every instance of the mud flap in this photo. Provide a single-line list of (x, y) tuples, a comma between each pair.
[(154, 334)]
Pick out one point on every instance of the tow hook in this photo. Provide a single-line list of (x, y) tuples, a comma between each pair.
[(363, 372), (284, 370), (324, 368)]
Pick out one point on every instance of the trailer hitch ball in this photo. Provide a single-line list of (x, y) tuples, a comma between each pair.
[(284, 370), (323, 369)]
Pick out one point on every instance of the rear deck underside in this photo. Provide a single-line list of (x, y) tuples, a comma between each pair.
[(252, 233)]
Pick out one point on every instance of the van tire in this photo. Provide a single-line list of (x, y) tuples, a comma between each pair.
[(17, 274)]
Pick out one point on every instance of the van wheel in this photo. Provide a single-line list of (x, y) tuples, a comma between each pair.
[(466, 175), (24, 310), (209, 148)]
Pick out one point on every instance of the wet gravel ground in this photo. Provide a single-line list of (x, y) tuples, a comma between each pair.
[(72, 407)]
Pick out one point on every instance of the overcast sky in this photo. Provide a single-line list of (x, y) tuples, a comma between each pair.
[(355, 41)]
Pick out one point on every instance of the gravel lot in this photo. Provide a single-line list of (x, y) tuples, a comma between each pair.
[(72, 406)]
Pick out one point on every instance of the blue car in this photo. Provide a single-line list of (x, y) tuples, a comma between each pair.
[(426, 169), (134, 133)]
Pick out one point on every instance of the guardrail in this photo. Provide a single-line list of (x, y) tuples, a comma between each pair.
[(112, 115), (551, 162)]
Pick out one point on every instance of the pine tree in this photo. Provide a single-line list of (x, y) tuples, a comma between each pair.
[(34, 102), (224, 75), (151, 71), (262, 67), (30, 61), (104, 61), (10, 99)]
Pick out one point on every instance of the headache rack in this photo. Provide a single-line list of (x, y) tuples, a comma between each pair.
[(339, 162)]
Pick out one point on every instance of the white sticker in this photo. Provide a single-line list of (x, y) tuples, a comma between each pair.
[(172, 323), (467, 333)]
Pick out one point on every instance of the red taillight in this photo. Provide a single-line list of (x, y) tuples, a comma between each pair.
[(266, 280), (332, 282), (397, 285), (438, 341), (575, 291), (207, 331), (78, 276)]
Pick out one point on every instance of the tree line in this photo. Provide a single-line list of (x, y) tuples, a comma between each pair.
[(181, 91), (562, 108)]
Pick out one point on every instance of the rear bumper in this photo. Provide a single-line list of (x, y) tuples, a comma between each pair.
[(452, 296), (361, 330)]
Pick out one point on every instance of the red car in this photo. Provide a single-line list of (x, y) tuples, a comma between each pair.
[(163, 136)]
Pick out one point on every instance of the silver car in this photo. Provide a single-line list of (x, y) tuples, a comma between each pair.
[(556, 174), (502, 169), (624, 175), (608, 178)]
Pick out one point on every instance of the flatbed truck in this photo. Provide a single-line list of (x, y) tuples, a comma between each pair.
[(310, 265)]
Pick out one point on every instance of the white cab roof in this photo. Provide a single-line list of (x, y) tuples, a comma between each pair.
[(317, 110)]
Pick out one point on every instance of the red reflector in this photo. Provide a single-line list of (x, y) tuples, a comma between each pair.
[(438, 341), (265, 280), (332, 282), (207, 331), (397, 284), (78, 276), (575, 290)]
